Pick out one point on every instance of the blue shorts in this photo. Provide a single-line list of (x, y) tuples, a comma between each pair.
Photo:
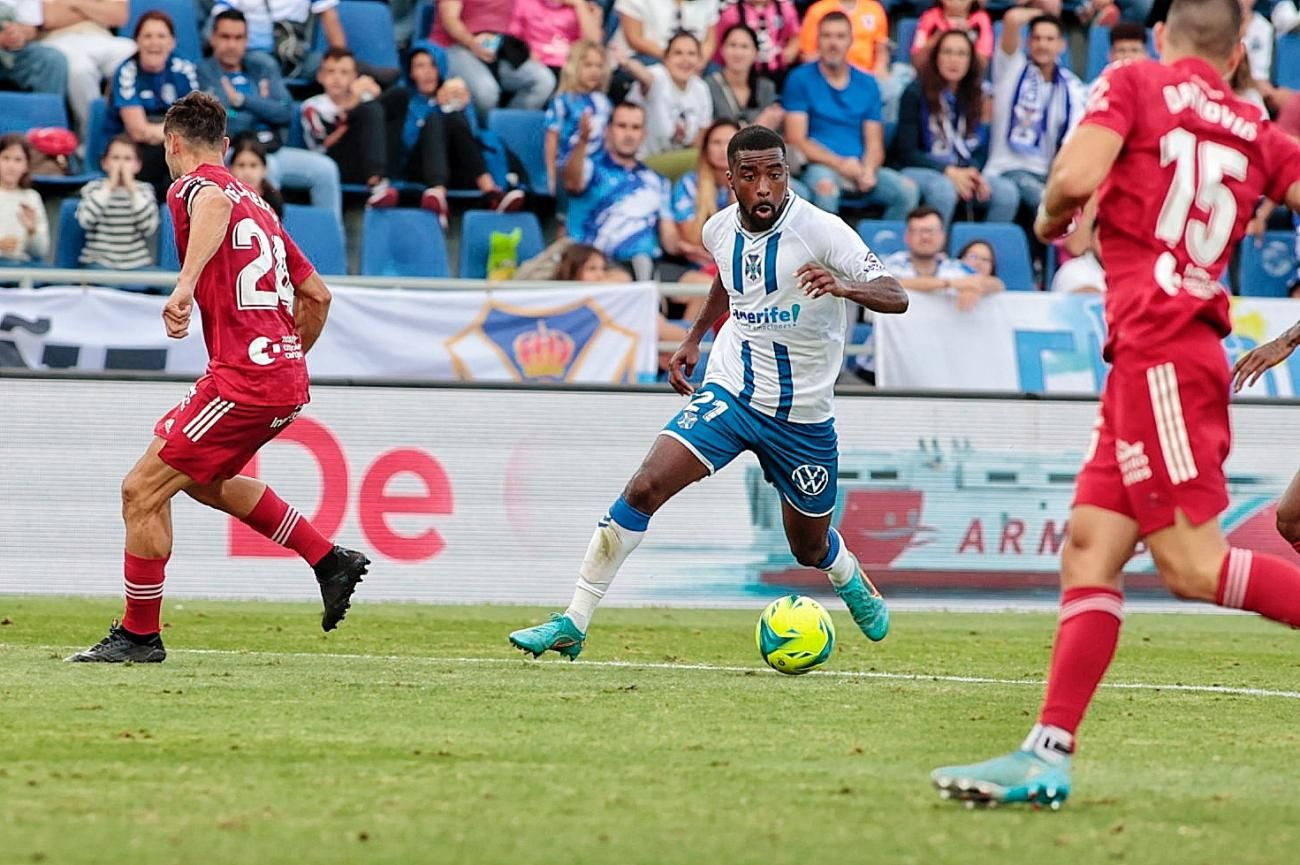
[(800, 459)]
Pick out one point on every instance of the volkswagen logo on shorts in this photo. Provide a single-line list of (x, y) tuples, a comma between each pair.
[(811, 480)]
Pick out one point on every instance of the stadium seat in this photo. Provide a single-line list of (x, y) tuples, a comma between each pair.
[(1268, 269), (476, 231), (318, 234), (72, 237), (523, 132), (369, 26), (884, 236), (20, 112), (185, 16), (1288, 61), (96, 140), (1009, 246), (424, 14), (168, 259), (903, 38), (402, 241)]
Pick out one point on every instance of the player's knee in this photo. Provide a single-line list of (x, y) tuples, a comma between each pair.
[(1288, 522), (138, 497), (808, 553), (646, 492)]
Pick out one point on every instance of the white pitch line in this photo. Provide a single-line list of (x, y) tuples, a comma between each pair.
[(718, 668)]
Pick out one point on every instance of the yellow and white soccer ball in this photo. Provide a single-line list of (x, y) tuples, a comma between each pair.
[(795, 634)]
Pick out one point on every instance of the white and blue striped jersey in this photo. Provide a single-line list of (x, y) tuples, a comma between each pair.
[(780, 351)]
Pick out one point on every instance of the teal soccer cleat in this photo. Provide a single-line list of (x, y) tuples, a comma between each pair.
[(866, 605), (557, 635), (1021, 776)]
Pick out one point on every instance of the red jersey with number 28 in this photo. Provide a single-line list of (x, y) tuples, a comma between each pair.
[(245, 294), (1195, 161)]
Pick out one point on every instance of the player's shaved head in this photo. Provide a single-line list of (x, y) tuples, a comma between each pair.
[(199, 119), (1207, 28)]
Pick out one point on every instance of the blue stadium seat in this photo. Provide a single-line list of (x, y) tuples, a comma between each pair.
[(318, 234), (476, 230), (168, 259), (185, 16), (1009, 246), (903, 38), (96, 140), (1267, 270), (402, 241), (424, 14), (523, 132), (1288, 61), (369, 26), (20, 112), (72, 237), (884, 236)]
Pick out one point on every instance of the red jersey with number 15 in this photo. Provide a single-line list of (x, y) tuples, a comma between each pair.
[(245, 294), (1195, 161)]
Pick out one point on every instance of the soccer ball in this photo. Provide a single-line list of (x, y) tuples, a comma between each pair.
[(795, 634)]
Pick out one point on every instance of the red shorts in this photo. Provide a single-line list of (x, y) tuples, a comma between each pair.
[(210, 439), (1161, 438)]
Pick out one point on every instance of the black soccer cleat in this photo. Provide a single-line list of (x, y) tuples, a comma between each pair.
[(338, 574), (121, 647)]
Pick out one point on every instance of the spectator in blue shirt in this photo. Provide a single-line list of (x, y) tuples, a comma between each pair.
[(616, 203), (144, 87), (943, 141), (704, 190), (833, 121), (257, 104)]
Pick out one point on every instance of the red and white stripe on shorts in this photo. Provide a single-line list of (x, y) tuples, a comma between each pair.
[(1167, 406)]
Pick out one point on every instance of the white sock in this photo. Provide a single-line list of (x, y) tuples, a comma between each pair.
[(1049, 743), (842, 565), (611, 544)]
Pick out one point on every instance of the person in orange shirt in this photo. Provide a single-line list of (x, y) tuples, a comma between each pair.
[(870, 49)]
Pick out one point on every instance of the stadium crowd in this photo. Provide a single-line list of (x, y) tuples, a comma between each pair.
[(616, 112)]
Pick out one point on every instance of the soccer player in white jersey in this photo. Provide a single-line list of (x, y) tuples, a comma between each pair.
[(785, 270)]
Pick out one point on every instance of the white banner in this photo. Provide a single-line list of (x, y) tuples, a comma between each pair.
[(468, 495), (596, 334), (1040, 343)]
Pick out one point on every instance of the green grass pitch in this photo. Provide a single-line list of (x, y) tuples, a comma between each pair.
[(262, 741)]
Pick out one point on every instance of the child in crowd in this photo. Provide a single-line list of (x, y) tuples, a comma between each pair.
[(583, 83), (24, 230), (438, 146), (248, 164), (118, 214)]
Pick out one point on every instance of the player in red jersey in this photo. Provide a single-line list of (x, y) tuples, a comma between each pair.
[(1247, 370), (1180, 163), (263, 308)]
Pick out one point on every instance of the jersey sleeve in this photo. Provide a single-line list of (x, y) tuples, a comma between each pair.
[(710, 234), (186, 192), (126, 92), (1115, 100), (683, 199), (839, 248), (300, 267)]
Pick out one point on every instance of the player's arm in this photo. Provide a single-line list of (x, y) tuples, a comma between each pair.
[(682, 365), (882, 294), (1078, 172), (311, 306), (209, 216)]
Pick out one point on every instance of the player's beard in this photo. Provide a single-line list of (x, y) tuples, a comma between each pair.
[(763, 223)]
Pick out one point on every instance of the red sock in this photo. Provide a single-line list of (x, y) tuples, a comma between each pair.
[(1260, 583), (1085, 643), (274, 519), (144, 591)]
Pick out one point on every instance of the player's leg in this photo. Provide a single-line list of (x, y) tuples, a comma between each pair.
[(816, 544), (1099, 542), (667, 469), (702, 438), (254, 503), (1288, 513), (147, 491)]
